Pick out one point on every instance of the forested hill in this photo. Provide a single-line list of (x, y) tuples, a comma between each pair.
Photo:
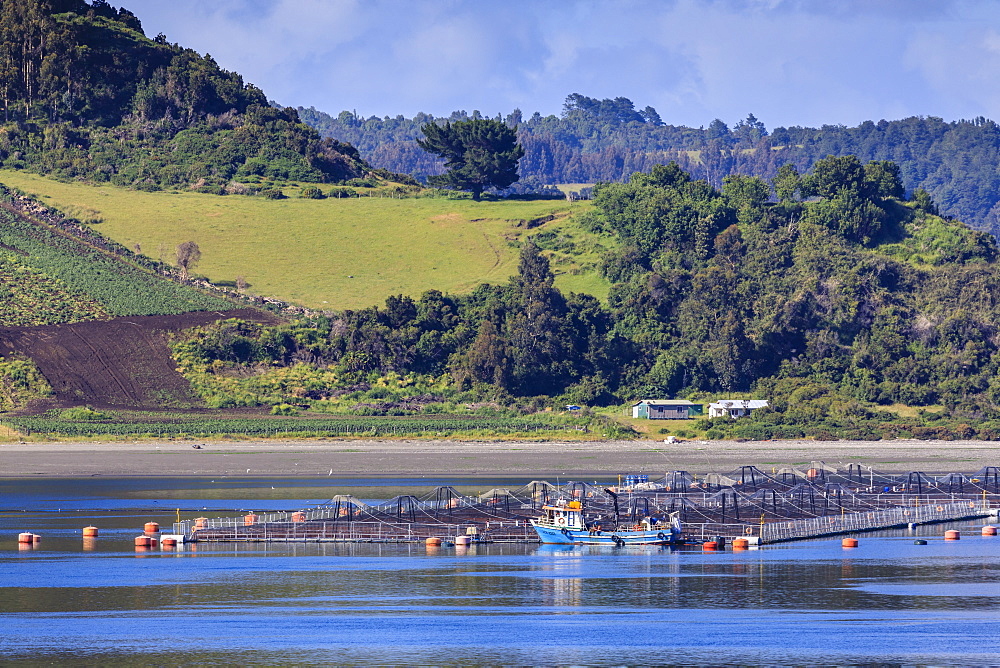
[(86, 94), (607, 140), (836, 299)]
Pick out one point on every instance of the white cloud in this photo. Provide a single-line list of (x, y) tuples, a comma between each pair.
[(787, 61)]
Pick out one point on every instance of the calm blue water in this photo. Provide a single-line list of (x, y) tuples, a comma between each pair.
[(218, 493), (812, 603)]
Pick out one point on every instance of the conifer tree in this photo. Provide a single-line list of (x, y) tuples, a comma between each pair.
[(479, 154)]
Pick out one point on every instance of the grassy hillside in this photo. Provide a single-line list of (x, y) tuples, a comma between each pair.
[(334, 253)]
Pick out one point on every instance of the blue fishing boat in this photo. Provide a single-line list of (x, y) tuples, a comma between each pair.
[(564, 524)]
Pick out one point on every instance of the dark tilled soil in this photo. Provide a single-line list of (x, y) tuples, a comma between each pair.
[(121, 363)]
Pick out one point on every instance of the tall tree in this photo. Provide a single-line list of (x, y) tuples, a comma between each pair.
[(750, 131), (479, 154), (188, 255), (536, 329)]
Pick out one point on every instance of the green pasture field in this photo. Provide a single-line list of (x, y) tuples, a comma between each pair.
[(329, 253)]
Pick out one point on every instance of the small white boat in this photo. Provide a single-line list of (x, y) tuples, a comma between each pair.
[(564, 524)]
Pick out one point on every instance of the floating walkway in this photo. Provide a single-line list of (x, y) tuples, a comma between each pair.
[(849, 523), (785, 504)]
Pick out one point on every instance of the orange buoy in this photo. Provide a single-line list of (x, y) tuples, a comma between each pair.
[(299, 517), (35, 538), (168, 543), (90, 532), (433, 541), (151, 527), (710, 545), (952, 534), (25, 537), (143, 541), (812, 473), (989, 530), (740, 543), (849, 542), (249, 519)]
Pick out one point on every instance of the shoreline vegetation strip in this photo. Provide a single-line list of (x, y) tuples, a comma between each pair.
[(263, 427)]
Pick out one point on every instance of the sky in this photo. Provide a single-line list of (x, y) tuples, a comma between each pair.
[(788, 62)]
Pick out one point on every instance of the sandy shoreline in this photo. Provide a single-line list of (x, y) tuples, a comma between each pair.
[(405, 458)]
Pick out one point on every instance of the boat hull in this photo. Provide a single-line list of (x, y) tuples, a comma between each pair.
[(564, 536)]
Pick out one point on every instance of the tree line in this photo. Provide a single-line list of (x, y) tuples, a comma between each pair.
[(607, 140)]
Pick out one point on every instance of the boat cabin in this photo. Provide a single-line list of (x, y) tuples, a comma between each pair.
[(563, 515)]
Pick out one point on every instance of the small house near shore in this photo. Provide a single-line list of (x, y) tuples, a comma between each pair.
[(666, 409), (735, 408)]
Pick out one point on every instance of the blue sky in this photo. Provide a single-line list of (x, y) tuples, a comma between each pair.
[(789, 62)]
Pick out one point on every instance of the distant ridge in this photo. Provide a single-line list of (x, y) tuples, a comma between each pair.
[(607, 140)]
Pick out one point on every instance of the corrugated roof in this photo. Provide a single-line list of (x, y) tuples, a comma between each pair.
[(665, 402), (740, 403)]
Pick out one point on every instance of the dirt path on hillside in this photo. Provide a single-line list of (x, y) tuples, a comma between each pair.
[(470, 459)]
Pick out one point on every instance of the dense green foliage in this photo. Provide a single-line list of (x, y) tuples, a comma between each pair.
[(829, 307), (516, 340), (607, 140), (815, 409), (800, 290), (478, 154), (86, 94), (48, 276)]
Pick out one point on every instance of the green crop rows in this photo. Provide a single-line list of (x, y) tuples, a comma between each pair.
[(275, 427), (25, 290), (122, 289)]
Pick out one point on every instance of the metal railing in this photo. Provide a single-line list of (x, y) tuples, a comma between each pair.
[(222, 530), (869, 521)]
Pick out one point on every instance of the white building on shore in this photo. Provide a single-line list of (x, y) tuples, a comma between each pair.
[(735, 408)]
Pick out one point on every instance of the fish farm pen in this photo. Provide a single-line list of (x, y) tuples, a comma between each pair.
[(761, 507)]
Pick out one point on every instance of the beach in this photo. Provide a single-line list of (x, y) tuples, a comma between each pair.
[(414, 458)]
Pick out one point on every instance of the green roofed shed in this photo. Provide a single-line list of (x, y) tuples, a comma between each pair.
[(666, 409)]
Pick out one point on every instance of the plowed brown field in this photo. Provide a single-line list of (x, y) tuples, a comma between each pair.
[(121, 363)]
